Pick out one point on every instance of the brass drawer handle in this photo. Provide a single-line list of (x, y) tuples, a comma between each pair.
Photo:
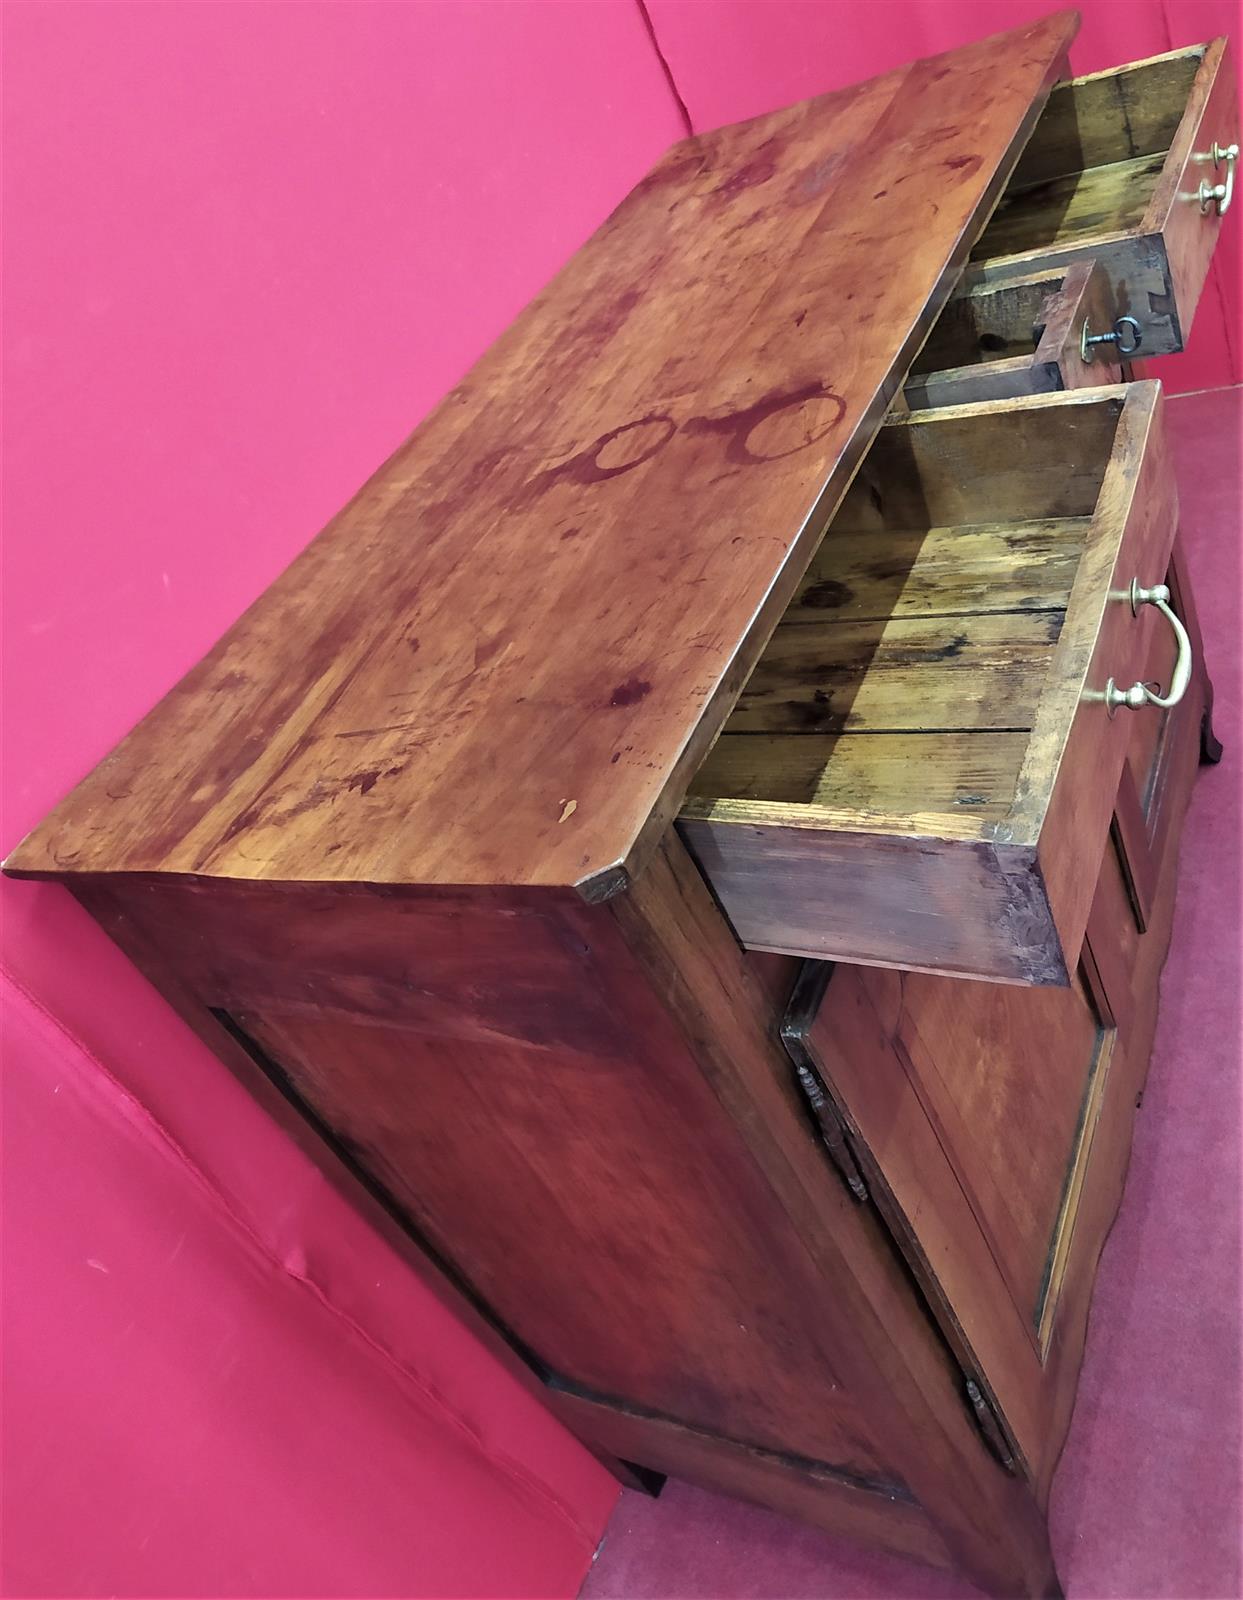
[(1127, 335), (1220, 194), (1142, 694)]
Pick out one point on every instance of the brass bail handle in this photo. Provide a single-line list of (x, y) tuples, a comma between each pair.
[(1127, 335), (1143, 694), (1220, 194)]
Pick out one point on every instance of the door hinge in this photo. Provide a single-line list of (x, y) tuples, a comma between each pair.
[(986, 1421), (809, 988), (831, 1128)]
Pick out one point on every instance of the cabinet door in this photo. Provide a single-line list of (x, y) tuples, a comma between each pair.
[(975, 1116)]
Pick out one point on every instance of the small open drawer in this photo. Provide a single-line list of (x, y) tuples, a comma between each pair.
[(1128, 167), (921, 770), (998, 339)]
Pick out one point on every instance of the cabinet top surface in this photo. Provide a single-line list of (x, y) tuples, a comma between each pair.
[(501, 662)]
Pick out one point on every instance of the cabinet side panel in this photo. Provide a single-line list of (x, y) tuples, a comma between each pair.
[(886, 1343), (500, 1068)]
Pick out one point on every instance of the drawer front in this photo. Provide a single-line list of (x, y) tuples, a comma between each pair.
[(1113, 173), (998, 339), (922, 770), (1189, 226)]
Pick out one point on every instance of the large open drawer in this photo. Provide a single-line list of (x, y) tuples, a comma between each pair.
[(922, 768), (1114, 172)]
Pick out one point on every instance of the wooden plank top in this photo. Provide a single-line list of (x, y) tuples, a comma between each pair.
[(503, 660)]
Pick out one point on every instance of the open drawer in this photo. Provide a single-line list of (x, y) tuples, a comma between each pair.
[(921, 770), (1129, 167), (1034, 334)]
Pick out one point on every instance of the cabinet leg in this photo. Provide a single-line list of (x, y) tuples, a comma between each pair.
[(1210, 744), (1008, 1554), (646, 1480)]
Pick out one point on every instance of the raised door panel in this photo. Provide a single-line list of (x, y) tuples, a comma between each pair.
[(1007, 1075), (603, 1208), (499, 1067), (975, 1112)]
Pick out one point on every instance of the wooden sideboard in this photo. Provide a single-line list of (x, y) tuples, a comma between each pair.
[(691, 836)]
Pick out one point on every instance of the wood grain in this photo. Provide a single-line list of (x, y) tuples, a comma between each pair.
[(1048, 331), (1100, 200), (1016, 336), (1085, 298), (954, 671), (937, 572), (905, 773), (1027, 460), (991, 1522), (924, 896), (881, 1516), (1114, 938), (983, 323), (361, 847), (507, 1079), (1111, 174), (1115, 115), (1066, 790), (1190, 235), (578, 557), (965, 1149), (894, 871), (993, 1125)]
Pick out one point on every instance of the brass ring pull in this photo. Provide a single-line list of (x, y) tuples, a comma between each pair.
[(1142, 694), (1220, 194), (1127, 335)]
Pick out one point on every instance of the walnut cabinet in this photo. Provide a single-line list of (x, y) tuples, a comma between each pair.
[(692, 844)]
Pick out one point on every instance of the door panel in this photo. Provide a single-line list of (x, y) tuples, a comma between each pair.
[(973, 1110), (601, 1206)]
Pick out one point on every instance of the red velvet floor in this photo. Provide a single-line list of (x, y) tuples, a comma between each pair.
[(1147, 1499)]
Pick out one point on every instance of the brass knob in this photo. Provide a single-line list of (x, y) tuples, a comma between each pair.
[(1220, 194)]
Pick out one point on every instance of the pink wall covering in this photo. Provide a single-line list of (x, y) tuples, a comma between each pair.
[(248, 246)]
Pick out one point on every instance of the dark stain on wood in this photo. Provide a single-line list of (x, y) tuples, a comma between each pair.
[(629, 693)]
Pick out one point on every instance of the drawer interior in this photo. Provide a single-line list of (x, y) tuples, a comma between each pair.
[(989, 322), (1001, 336), (903, 681), (921, 769), (1092, 164)]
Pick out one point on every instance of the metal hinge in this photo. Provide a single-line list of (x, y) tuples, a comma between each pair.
[(801, 1012), (986, 1420), (831, 1128)]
